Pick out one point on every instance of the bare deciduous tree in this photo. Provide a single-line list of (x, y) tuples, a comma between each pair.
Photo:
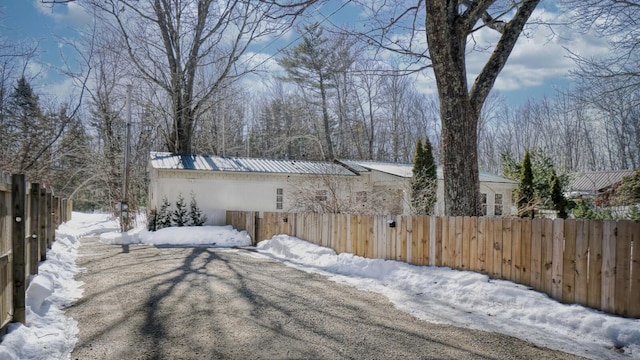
[(616, 21), (169, 41), (449, 26)]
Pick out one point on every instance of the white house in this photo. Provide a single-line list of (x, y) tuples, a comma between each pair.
[(496, 191), (229, 183)]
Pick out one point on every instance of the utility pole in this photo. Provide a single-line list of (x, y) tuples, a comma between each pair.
[(124, 205)]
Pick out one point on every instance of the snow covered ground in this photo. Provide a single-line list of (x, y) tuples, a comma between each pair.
[(434, 294)]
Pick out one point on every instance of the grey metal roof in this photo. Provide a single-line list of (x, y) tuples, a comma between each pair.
[(595, 181), (406, 170), (168, 161)]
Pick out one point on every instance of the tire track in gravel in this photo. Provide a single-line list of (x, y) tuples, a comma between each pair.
[(149, 302)]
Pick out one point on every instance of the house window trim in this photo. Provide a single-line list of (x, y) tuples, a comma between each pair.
[(498, 207), (279, 199), (362, 197), (322, 195), (484, 198)]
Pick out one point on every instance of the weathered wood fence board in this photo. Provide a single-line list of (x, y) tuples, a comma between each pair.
[(594, 292), (6, 286), (592, 263), (581, 263), (568, 261), (28, 219), (18, 235), (634, 289)]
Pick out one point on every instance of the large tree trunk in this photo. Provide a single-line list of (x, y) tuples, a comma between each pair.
[(459, 120), (447, 30), (180, 140), (460, 156)]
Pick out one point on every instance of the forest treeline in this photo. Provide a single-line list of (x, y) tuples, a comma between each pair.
[(328, 100)]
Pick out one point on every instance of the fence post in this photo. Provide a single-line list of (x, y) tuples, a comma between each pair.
[(56, 215), (50, 226), (63, 210), (18, 201), (42, 232), (34, 219)]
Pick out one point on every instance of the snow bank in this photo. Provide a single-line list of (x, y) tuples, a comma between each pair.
[(214, 236), (39, 290), (469, 299), (49, 334)]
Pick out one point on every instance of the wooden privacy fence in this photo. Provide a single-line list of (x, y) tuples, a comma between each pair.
[(587, 262), (29, 215)]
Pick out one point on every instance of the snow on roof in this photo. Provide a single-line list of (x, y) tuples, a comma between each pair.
[(594, 181), (168, 161), (406, 170)]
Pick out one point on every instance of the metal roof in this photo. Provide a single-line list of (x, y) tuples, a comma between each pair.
[(168, 161), (594, 181), (406, 170)]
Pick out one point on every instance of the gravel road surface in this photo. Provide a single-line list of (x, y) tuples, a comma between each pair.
[(149, 302)]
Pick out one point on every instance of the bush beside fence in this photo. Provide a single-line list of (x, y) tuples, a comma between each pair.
[(588, 262), (29, 215)]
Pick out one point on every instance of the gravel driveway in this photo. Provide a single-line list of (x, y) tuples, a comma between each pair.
[(201, 303)]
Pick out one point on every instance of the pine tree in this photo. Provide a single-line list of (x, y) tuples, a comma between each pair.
[(27, 128), (628, 193), (164, 215), (195, 214), (526, 192), (424, 179), (431, 176), (180, 213), (314, 64), (559, 201)]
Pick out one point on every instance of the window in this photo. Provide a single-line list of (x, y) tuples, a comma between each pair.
[(483, 200), (498, 205), (361, 197), (321, 195), (279, 199)]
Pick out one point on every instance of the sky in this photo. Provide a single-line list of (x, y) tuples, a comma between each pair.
[(439, 295), (537, 66)]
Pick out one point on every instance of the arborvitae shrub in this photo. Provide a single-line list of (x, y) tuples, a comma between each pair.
[(164, 215), (195, 214), (180, 217)]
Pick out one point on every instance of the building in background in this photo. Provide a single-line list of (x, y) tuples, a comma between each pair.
[(220, 183)]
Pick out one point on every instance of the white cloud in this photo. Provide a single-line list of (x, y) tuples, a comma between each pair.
[(69, 14), (62, 91), (260, 62), (264, 66), (35, 69), (539, 56)]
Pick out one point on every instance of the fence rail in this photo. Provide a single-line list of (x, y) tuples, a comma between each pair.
[(29, 215), (587, 262)]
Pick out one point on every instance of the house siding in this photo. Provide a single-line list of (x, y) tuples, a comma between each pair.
[(217, 191)]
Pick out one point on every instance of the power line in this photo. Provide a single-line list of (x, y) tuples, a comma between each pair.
[(324, 19)]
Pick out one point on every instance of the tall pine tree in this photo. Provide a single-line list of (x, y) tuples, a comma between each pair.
[(526, 191), (559, 201), (26, 129), (424, 181), (313, 64)]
